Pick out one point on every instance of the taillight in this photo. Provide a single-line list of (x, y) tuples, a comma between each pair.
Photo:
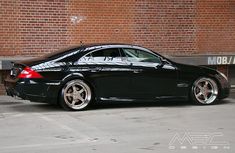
[(29, 73)]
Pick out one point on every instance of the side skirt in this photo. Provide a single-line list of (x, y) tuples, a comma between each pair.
[(162, 98)]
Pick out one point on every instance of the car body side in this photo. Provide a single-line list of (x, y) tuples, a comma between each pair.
[(58, 70)]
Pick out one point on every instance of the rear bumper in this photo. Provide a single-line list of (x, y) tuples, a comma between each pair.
[(33, 92), (13, 89), (13, 93), (17, 91)]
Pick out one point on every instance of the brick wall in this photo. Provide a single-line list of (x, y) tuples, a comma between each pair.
[(216, 26), (2, 77), (174, 27), (32, 27), (2, 90)]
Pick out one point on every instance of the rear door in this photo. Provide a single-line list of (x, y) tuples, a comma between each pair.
[(109, 72)]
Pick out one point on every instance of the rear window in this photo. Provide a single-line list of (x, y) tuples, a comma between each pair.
[(61, 52)]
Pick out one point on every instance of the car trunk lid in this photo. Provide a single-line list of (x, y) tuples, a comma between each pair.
[(19, 66), (16, 69)]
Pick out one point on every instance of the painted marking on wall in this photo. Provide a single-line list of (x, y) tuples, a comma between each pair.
[(76, 19), (221, 60)]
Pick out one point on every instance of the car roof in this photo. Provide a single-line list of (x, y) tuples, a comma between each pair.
[(89, 47), (106, 45)]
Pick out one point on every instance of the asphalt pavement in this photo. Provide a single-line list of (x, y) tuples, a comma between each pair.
[(27, 127)]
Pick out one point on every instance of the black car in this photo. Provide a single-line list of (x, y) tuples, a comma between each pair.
[(76, 77)]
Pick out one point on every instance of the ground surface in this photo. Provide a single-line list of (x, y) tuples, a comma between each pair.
[(117, 128)]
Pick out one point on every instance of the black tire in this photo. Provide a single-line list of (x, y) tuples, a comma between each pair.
[(204, 91), (75, 95)]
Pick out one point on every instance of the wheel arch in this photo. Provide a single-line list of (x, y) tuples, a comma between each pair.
[(210, 76), (71, 77), (213, 77)]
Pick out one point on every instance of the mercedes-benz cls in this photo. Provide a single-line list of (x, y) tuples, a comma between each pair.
[(76, 77)]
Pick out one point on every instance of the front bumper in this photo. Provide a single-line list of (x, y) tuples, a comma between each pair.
[(224, 93), (224, 88)]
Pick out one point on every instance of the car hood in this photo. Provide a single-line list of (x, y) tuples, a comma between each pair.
[(196, 69)]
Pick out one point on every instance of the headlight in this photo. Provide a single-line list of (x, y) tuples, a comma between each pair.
[(223, 75)]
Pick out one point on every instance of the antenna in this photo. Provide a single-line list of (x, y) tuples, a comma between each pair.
[(81, 43)]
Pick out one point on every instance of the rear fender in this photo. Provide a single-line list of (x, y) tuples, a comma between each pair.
[(74, 76), (71, 77)]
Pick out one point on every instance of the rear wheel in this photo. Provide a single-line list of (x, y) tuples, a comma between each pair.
[(204, 91), (75, 95)]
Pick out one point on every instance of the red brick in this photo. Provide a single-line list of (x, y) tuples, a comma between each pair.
[(173, 27)]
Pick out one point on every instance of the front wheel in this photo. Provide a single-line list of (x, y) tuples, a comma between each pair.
[(75, 95), (204, 91)]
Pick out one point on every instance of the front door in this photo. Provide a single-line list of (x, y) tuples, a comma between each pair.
[(150, 77)]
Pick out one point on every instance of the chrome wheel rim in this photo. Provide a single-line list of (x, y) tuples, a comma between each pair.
[(205, 90), (77, 95)]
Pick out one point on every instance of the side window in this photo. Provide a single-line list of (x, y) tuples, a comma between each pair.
[(105, 56), (134, 55)]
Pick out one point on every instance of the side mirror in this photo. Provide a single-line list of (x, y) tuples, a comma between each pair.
[(164, 61)]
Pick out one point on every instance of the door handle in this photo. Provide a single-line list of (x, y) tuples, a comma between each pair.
[(137, 71), (98, 69)]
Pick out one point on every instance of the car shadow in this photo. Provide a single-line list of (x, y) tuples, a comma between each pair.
[(111, 104), (10, 103), (40, 107), (36, 108), (116, 105)]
